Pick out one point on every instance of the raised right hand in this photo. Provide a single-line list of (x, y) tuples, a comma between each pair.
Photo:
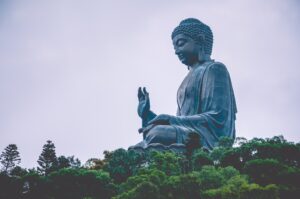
[(144, 102)]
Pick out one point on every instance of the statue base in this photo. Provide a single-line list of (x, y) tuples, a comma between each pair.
[(142, 147)]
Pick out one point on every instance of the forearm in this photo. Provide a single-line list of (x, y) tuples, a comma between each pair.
[(218, 117), (149, 116), (185, 120)]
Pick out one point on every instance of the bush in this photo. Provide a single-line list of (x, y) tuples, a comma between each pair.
[(11, 187), (200, 158), (79, 183), (265, 171)]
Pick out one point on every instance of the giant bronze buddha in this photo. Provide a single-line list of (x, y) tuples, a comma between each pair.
[(205, 100)]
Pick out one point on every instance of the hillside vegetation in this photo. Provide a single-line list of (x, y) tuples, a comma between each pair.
[(251, 169)]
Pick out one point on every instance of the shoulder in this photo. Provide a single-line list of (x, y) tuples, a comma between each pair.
[(216, 66), (217, 69)]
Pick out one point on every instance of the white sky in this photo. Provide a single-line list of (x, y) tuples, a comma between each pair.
[(69, 70)]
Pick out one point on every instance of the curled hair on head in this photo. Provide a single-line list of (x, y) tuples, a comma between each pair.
[(196, 30)]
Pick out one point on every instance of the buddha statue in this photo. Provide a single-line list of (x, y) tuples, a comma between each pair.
[(206, 103)]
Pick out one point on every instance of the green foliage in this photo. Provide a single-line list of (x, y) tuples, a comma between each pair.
[(79, 183), (182, 186), (232, 157), (136, 186), (217, 154), (35, 185), (176, 186), (210, 178), (67, 162), (94, 164), (154, 176), (10, 157), (226, 142), (264, 171), (167, 162), (271, 171), (18, 171), (239, 188), (146, 190), (121, 164), (228, 172), (192, 143), (274, 148), (201, 158), (10, 187), (258, 168)]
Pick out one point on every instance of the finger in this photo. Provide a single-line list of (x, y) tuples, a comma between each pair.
[(145, 91), (140, 93), (141, 130), (153, 121), (148, 128), (146, 94)]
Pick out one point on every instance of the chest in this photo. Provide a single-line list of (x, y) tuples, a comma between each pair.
[(188, 90)]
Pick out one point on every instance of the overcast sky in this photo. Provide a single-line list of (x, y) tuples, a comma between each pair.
[(69, 70)]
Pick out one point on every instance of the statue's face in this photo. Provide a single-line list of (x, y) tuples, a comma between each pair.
[(186, 49)]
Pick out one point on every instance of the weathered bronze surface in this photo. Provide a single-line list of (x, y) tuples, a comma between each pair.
[(205, 98)]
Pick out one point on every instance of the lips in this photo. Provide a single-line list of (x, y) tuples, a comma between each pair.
[(181, 57)]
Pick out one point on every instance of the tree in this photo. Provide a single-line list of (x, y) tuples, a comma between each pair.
[(11, 187), (217, 154), (145, 184), (68, 162), (226, 142), (200, 158), (210, 178), (145, 190), (47, 160), (193, 143), (232, 157), (182, 186), (80, 183), (10, 157), (18, 171), (240, 141), (264, 171), (35, 186), (97, 163), (167, 162), (94, 164), (122, 164)]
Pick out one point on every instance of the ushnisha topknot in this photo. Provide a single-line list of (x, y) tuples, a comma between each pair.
[(197, 31)]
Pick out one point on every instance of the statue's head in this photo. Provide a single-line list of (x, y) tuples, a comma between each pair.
[(192, 40)]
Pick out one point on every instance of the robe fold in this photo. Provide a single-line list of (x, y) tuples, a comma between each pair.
[(206, 105)]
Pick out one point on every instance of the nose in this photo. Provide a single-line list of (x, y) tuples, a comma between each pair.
[(177, 51)]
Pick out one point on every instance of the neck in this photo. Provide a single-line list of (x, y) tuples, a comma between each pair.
[(199, 62)]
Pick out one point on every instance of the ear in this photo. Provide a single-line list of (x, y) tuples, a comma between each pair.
[(201, 42), (201, 39), (201, 51)]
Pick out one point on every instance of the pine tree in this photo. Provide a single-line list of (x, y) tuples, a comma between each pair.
[(10, 157), (47, 160)]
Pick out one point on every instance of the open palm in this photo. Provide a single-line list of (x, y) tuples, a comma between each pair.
[(144, 102)]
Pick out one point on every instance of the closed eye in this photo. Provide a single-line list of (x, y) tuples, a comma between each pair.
[(180, 42)]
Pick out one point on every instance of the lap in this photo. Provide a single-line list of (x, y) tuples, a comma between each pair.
[(164, 134)]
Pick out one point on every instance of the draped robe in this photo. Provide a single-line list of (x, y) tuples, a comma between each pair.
[(206, 106)]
